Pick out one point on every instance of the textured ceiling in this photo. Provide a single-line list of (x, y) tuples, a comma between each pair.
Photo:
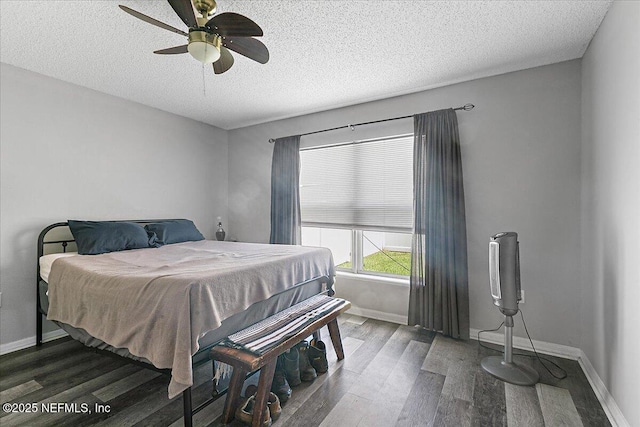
[(324, 54)]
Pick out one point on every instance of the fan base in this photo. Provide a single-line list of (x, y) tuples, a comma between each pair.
[(205, 7), (512, 373)]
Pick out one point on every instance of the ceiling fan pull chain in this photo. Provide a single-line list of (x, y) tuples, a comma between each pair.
[(204, 83)]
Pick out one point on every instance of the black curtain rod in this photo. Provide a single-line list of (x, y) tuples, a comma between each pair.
[(466, 107)]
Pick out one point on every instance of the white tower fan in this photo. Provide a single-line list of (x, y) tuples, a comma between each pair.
[(504, 278)]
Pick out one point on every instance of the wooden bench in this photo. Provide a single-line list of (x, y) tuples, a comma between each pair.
[(244, 362)]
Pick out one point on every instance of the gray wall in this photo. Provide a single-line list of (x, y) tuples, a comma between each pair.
[(70, 152), (521, 159), (611, 205)]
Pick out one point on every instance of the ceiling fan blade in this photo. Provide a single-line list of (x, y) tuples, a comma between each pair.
[(249, 47), (234, 24), (224, 63), (184, 9), (152, 21), (172, 50)]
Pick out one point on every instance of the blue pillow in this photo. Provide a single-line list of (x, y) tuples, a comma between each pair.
[(99, 237), (174, 231)]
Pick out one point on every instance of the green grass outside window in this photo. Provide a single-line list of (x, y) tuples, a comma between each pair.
[(381, 263)]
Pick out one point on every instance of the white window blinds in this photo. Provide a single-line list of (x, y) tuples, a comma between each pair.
[(365, 185)]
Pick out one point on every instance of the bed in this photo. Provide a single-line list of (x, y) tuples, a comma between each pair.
[(165, 307)]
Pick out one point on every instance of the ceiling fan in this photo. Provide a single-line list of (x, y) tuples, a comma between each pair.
[(211, 37)]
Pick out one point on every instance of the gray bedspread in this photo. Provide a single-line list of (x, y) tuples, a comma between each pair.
[(158, 302)]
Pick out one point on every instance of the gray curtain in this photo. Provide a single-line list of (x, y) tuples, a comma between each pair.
[(439, 295), (285, 191)]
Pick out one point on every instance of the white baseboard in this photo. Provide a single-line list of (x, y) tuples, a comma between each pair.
[(609, 405), (616, 418), (523, 343), (10, 347), (378, 315)]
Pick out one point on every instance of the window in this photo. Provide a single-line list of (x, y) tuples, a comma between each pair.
[(357, 200)]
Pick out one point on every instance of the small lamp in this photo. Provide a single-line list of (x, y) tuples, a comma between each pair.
[(220, 233)]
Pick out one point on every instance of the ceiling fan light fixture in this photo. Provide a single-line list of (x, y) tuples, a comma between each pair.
[(204, 46)]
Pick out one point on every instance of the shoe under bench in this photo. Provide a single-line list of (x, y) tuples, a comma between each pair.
[(244, 362)]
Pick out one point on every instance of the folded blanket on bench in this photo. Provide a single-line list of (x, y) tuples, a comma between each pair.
[(269, 333)]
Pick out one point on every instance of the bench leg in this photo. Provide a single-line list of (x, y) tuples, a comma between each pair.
[(262, 395), (233, 394), (334, 333)]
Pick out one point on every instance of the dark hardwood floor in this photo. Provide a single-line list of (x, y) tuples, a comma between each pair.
[(391, 376)]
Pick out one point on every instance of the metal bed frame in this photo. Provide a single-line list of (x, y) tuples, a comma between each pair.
[(188, 410)]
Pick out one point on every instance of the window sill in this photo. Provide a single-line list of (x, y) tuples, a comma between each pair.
[(373, 278)]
